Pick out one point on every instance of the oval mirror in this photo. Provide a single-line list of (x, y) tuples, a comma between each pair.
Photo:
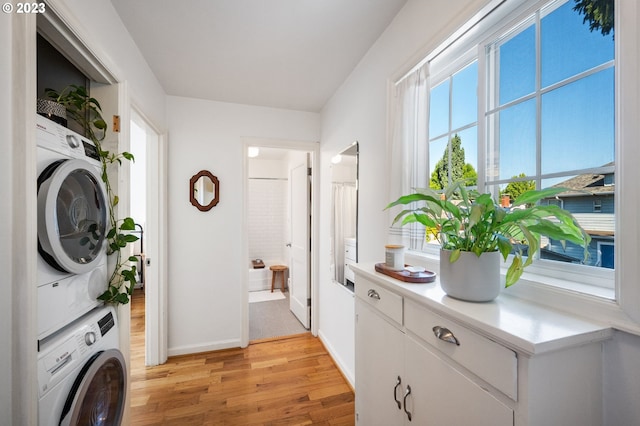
[(344, 215), (204, 190)]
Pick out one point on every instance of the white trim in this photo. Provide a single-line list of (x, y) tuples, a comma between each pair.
[(208, 347), (24, 395), (462, 32), (335, 356), (60, 28), (627, 153), (156, 304)]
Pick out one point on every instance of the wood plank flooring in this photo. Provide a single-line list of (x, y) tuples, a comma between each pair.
[(289, 381)]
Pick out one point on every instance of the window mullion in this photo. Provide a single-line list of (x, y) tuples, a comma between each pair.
[(483, 96), (538, 83)]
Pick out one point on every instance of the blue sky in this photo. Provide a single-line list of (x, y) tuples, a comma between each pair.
[(577, 119)]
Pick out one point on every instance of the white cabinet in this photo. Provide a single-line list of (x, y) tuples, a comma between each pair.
[(423, 358), (379, 363), (400, 381), (443, 395), (349, 260)]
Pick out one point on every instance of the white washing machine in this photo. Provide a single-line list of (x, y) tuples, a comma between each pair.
[(72, 221), (82, 375)]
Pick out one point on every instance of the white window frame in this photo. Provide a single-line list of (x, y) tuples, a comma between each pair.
[(611, 296)]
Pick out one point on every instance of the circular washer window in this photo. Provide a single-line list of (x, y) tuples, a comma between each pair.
[(97, 396), (72, 216)]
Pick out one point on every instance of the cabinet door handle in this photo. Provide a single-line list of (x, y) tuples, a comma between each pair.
[(445, 334), (404, 401), (373, 294), (395, 392)]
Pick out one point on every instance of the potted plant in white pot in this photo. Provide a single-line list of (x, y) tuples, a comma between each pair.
[(473, 228)]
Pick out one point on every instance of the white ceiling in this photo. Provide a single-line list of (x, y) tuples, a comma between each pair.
[(291, 54)]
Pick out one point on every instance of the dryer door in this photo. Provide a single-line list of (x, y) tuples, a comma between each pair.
[(98, 393), (72, 216)]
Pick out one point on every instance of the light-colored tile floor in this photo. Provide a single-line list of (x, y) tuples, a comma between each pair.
[(272, 319)]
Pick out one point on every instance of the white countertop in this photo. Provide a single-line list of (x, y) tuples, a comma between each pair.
[(519, 324)]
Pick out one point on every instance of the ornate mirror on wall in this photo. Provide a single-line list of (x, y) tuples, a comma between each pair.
[(204, 190), (344, 215)]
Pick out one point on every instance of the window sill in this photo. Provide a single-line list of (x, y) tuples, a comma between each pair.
[(588, 301)]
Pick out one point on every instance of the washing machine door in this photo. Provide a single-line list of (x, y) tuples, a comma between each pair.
[(72, 216), (97, 397)]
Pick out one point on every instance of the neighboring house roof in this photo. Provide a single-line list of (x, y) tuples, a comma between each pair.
[(587, 184)]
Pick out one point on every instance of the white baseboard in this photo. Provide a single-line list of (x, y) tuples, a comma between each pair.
[(213, 346), (349, 375)]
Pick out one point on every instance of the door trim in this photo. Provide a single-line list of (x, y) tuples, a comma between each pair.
[(156, 301), (314, 149)]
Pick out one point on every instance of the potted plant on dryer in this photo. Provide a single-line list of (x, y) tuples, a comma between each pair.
[(87, 112), (474, 231)]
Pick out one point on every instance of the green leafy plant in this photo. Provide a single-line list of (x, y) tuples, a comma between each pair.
[(87, 112), (465, 220)]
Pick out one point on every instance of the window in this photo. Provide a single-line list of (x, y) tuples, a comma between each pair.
[(532, 105), (453, 128), (550, 115), (597, 206)]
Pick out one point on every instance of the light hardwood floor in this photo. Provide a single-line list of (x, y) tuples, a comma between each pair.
[(288, 381)]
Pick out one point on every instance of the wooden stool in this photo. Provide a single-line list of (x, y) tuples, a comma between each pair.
[(278, 268)]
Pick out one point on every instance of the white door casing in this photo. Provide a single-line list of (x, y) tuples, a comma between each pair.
[(299, 287)]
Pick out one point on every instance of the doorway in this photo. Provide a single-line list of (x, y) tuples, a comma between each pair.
[(278, 229), (147, 211)]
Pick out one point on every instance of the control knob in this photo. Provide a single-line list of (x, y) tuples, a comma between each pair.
[(90, 338), (73, 141)]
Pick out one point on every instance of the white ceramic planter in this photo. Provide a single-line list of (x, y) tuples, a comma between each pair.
[(471, 278)]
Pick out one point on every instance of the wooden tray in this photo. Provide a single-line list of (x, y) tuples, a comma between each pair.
[(257, 264), (421, 277)]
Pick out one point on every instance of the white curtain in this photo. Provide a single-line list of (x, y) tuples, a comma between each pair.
[(343, 223), (409, 150)]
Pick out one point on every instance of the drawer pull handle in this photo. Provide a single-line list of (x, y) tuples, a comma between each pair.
[(404, 401), (395, 392), (445, 334), (373, 294)]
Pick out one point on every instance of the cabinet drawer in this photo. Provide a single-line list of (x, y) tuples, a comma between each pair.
[(385, 301), (487, 359), (348, 272), (350, 252)]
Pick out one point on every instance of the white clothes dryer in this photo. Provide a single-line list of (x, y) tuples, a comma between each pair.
[(72, 222), (82, 376)]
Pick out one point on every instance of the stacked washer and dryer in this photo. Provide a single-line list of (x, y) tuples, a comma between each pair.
[(82, 376)]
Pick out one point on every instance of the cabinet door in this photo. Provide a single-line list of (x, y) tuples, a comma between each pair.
[(443, 396), (379, 363)]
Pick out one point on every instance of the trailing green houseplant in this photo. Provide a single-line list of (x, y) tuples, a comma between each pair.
[(465, 220), (87, 112)]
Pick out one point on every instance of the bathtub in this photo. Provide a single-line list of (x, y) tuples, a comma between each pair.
[(260, 279)]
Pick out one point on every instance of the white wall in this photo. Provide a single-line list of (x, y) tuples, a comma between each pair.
[(205, 253), (358, 111), (267, 199), (622, 380)]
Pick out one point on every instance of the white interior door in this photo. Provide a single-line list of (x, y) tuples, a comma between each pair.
[(150, 212), (300, 285)]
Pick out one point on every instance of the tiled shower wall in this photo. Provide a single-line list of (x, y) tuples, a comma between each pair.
[(267, 218)]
